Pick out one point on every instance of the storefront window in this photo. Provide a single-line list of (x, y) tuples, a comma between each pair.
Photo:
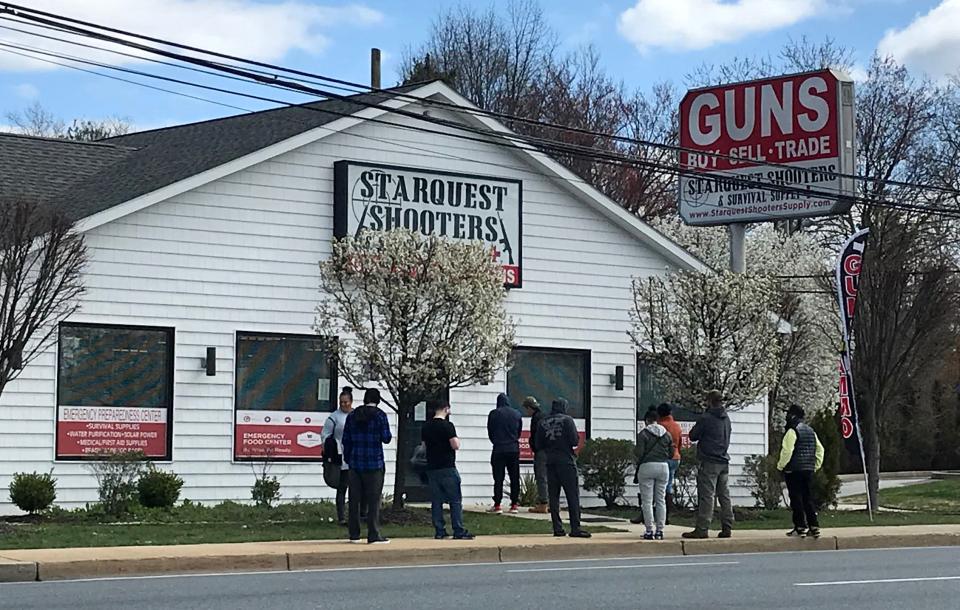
[(114, 390), (285, 386), (551, 373)]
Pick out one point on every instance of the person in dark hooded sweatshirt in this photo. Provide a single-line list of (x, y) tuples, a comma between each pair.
[(365, 433), (503, 428), (712, 435), (801, 455), (558, 438)]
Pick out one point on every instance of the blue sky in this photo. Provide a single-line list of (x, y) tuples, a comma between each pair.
[(640, 42)]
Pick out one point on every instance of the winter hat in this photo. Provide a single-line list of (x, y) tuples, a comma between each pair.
[(530, 402)]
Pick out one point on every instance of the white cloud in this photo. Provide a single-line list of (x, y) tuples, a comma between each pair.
[(254, 29), (26, 91), (686, 25), (931, 42)]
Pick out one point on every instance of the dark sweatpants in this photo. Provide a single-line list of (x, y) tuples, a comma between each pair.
[(365, 490), (564, 475), (509, 463), (801, 499)]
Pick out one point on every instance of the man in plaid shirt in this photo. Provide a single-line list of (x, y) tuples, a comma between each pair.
[(366, 432)]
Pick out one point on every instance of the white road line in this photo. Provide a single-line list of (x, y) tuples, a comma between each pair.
[(629, 567), (873, 582)]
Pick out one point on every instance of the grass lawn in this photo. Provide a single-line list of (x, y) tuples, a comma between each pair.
[(934, 497), (780, 519), (233, 523)]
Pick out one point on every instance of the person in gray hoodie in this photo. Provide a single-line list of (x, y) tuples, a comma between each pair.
[(557, 437), (654, 450), (712, 435), (503, 429)]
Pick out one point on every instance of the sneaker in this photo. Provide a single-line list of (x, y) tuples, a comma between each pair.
[(514, 509), (648, 535), (441, 536), (695, 534), (658, 535), (496, 509), (559, 534), (814, 532), (580, 534), (379, 541), (356, 541), (637, 520), (464, 536), (342, 523), (540, 509), (725, 533), (797, 533)]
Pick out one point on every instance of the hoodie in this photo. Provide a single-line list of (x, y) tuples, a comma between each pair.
[(503, 427), (654, 444), (557, 435), (712, 435), (675, 431)]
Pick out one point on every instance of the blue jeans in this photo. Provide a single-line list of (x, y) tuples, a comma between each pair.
[(672, 465), (445, 489)]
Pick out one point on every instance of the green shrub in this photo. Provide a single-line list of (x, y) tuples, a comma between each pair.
[(760, 474), (528, 490), (605, 464), (826, 482), (685, 480), (117, 475), (158, 488), (266, 491), (33, 493)]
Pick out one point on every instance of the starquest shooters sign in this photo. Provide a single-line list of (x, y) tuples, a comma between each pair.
[(455, 206), (767, 150)]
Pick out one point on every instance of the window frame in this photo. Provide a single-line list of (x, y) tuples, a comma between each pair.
[(587, 397), (334, 392), (171, 333)]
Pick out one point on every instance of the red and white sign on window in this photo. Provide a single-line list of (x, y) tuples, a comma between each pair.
[(767, 150), (279, 435), (90, 431)]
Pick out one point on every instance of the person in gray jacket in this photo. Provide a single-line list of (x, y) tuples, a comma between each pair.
[(334, 427), (712, 435), (558, 438), (654, 450)]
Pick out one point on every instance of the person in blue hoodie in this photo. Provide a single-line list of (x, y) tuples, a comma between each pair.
[(503, 428)]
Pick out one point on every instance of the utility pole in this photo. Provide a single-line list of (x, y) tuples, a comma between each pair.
[(738, 232), (374, 68)]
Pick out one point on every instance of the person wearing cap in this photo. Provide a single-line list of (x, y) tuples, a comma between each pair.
[(712, 435), (365, 433), (801, 455), (532, 408)]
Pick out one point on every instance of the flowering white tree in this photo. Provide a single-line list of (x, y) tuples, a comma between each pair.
[(419, 315), (806, 358), (704, 331)]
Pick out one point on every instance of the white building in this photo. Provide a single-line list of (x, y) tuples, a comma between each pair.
[(208, 235)]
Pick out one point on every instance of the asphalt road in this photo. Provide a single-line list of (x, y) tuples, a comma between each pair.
[(895, 578)]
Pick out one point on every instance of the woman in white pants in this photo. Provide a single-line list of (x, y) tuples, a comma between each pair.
[(654, 450)]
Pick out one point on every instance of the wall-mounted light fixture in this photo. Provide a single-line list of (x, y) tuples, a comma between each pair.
[(210, 362), (16, 357), (486, 367), (617, 378)]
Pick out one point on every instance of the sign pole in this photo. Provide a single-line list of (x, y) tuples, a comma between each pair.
[(738, 232)]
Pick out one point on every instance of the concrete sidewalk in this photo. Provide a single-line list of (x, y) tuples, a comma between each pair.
[(59, 564)]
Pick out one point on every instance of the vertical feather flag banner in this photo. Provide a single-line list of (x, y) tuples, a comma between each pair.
[(848, 285)]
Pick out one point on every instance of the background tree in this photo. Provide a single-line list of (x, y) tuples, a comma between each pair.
[(418, 315), (705, 331), (35, 120), (41, 261)]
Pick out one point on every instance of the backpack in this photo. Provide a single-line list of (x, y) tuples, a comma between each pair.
[(331, 452)]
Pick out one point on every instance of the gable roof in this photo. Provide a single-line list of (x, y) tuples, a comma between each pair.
[(127, 173)]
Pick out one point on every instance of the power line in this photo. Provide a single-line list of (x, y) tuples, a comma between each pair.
[(364, 88), (549, 145)]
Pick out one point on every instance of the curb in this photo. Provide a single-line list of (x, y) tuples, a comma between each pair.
[(313, 555)]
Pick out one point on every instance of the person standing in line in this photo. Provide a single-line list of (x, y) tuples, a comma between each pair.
[(333, 427), (712, 435), (440, 438), (365, 433), (654, 449), (532, 408), (557, 436), (504, 425), (665, 419), (801, 455)]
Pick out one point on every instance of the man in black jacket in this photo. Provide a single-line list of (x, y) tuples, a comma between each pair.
[(558, 438), (503, 429), (532, 407), (712, 435)]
